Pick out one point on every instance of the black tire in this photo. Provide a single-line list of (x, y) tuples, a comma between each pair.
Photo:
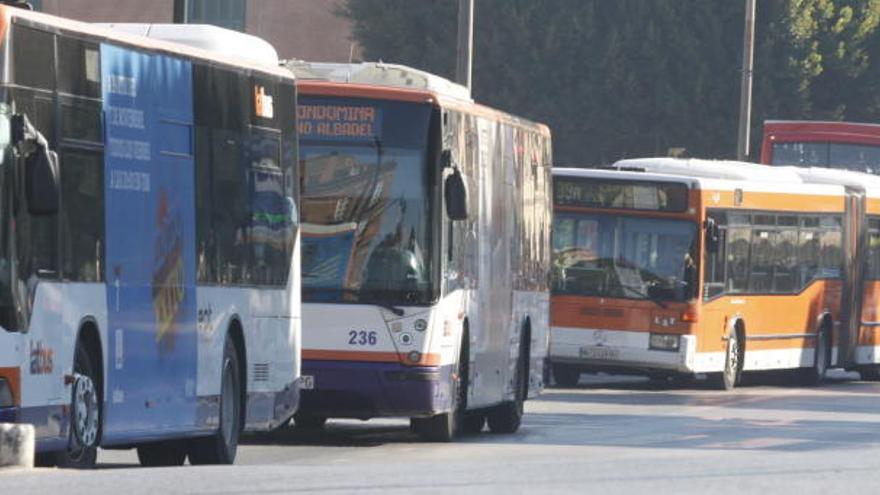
[(85, 422), (473, 423), (566, 375), (730, 377), (815, 374), (304, 421), (220, 448), (444, 427), (162, 454), (507, 416), (871, 374)]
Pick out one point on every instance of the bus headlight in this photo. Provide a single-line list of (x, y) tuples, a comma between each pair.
[(6, 398), (420, 325), (663, 342)]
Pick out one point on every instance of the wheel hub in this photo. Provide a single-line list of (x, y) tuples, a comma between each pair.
[(85, 411)]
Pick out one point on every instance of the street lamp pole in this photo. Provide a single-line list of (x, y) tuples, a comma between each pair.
[(180, 11), (464, 59), (745, 94)]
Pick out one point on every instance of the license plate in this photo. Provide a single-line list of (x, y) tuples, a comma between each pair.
[(306, 382), (601, 353)]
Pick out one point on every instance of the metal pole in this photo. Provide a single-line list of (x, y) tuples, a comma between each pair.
[(745, 94), (180, 7), (464, 60)]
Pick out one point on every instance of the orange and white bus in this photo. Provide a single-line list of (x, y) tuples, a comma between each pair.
[(682, 267)]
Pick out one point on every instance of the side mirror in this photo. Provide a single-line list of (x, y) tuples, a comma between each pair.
[(713, 235), (455, 193), (41, 182)]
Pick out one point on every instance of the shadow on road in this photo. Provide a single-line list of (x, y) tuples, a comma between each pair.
[(688, 432), (335, 434), (695, 428)]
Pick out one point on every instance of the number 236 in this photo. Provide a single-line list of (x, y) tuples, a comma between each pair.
[(362, 337)]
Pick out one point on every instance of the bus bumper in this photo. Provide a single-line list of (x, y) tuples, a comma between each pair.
[(619, 351), (347, 389)]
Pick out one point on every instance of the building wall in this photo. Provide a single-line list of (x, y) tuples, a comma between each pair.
[(302, 29)]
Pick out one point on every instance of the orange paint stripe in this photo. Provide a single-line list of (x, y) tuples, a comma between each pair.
[(13, 377), (753, 200), (369, 356)]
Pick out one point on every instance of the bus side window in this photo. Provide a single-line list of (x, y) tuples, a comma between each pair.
[(830, 247), (82, 191), (713, 285), (738, 243)]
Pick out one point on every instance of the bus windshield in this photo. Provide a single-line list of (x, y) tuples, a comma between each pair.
[(628, 257), (367, 217)]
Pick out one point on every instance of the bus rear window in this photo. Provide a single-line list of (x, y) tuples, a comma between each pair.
[(627, 195)]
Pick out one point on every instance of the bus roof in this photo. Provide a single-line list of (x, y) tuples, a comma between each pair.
[(753, 172), (711, 169), (207, 37), (103, 33), (719, 175), (378, 74), (397, 82), (823, 124)]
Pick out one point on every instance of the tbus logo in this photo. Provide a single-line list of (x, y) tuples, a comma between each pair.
[(263, 103), (42, 358)]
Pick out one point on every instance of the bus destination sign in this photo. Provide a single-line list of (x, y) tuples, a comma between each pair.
[(339, 122), (627, 195)]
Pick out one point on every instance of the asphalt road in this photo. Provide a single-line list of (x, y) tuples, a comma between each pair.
[(609, 434)]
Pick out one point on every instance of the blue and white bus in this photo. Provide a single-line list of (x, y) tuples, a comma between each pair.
[(426, 251), (149, 287)]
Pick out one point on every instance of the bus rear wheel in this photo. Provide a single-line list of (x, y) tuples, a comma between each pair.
[(220, 448), (815, 374), (566, 375), (85, 413), (870, 374), (162, 454), (507, 417)]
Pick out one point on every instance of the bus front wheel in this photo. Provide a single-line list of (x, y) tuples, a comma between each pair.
[(445, 427), (85, 413), (730, 377), (220, 448)]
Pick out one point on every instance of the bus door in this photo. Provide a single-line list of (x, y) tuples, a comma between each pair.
[(150, 254), (855, 226)]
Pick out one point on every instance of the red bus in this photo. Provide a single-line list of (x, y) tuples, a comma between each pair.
[(844, 145)]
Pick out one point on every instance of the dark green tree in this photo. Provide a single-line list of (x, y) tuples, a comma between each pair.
[(629, 78)]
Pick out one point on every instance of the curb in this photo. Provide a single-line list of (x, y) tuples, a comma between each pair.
[(16, 445)]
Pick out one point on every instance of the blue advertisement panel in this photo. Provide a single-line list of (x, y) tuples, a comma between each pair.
[(150, 252)]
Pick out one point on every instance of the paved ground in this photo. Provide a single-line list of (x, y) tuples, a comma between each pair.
[(622, 434)]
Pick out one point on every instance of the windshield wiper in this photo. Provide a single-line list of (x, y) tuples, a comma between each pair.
[(360, 298), (643, 295)]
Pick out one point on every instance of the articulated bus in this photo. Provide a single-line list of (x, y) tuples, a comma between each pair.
[(149, 250), (680, 267), (426, 234), (804, 143)]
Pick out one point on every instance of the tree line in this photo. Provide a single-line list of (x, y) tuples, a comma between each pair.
[(629, 78)]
